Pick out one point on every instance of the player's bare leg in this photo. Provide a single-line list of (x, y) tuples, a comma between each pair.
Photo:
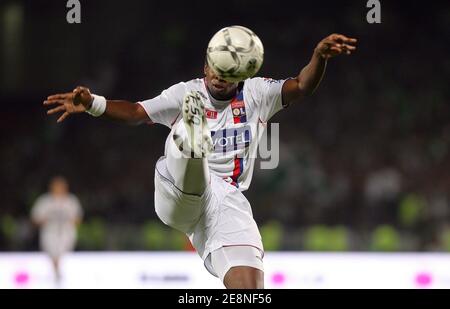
[(239, 267), (244, 277), (56, 270), (188, 149)]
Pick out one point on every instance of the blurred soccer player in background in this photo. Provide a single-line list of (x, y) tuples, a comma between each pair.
[(57, 213)]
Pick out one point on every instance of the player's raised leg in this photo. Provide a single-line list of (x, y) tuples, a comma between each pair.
[(189, 147)]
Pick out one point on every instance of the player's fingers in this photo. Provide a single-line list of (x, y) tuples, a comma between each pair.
[(63, 117), (52, 102), (342, 39), (60, 96), (336, 50), (337, 38), (55, 101), (55, 110), (350, 40), (333, 44), (349, 47), (79, 90), (330, 45)]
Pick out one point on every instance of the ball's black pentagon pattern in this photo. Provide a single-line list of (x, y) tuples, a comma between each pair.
[(237, 53)]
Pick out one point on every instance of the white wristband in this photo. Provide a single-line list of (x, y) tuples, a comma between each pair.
[(98, 106)]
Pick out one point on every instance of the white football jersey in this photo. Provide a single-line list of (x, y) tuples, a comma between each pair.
[(235, 125), (58, 216)]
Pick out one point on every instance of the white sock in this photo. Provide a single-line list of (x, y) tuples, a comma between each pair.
[(190, 175)]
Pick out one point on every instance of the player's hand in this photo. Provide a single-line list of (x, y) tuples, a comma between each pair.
[(70, 103), (336, 44)]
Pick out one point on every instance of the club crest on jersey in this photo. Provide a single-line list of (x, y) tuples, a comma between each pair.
[(238, 112), (238, 109)]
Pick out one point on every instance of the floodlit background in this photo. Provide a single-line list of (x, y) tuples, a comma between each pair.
[(365, 163)]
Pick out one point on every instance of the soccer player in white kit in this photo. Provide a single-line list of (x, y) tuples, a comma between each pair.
[(209, 154), (57, 213)]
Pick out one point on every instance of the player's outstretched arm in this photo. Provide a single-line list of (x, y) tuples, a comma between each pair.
[(81, 100), (309, 78)]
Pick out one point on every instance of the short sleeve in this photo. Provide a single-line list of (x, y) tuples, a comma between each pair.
[(268, 92), (165, 108)]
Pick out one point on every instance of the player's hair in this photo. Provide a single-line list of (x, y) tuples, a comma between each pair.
[(58, 178)]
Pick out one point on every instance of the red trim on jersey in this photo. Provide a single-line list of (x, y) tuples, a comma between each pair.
[(239, 116), (237, 172)]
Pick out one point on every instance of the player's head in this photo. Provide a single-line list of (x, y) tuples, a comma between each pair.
[(59, 186), (217, 87)]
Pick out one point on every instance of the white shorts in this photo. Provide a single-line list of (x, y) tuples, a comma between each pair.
[(57, 242), (220, 261), (220, 217)]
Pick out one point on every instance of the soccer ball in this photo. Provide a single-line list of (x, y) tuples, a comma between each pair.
[(235, 53)]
